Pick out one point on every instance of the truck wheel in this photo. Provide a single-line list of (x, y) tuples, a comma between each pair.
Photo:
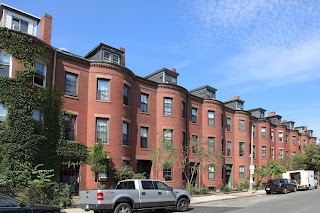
[(183, 204), (123, 208)]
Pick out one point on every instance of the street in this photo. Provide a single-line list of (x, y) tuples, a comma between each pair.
[(301, 201)]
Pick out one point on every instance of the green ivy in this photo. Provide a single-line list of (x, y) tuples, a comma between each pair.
[(25, 143)]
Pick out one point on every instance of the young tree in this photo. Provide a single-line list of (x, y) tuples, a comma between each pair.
[(96, 158), (203, 156), (163, 154)]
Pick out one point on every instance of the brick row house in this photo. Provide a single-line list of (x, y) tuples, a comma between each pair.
[(107, 101)]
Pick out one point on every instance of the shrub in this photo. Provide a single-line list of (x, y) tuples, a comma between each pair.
[(226, 188)]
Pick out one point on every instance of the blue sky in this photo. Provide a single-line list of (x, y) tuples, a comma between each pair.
[(267, 52)]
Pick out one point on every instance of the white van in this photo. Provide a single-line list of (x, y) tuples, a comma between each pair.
[(304, 179)]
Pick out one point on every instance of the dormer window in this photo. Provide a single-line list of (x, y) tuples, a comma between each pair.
[(170, 79), (19, 25), (210, 94), (106, 56), (239, 105), (116, 59)]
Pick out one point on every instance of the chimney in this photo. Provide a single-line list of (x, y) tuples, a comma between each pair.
[(283, 121), (271, 114), (305, 128), (123, 56), (46, 28), (173, 70)]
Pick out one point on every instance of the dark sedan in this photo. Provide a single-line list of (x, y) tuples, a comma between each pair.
[(11, 205), (280, 185)]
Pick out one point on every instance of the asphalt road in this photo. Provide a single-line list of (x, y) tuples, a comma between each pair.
[(298, 202)]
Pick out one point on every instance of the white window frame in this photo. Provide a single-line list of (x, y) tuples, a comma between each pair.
[(108, 59), (44, 73), (280, 135), (9, 64)]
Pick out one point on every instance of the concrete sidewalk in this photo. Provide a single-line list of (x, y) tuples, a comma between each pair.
[(201, 199)]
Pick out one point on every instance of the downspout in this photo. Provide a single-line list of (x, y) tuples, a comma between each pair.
[(187, 137), (54, 68)]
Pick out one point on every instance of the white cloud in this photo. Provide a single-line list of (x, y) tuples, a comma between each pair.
[(275, 66), (261, 23)]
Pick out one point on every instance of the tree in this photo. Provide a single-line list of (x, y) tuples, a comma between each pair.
[(163, 154), (310, 159), (203, 156), (97, 157), (126, 172), (272, 168)]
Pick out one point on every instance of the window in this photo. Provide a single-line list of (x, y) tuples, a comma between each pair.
[(39, 77), (147, 184), (71, 84), (229, 149), (241, 172), (125, 134), (241, 125), (272, 135), (254, 152), (116, 58), (144, 137), (184, 142), (211, 118), (280, 153), (167, 174), (263, 132), (280, 136), (161, 186), (228, 124), (211, 144), (102, 130), (222, 120), (264, 151), (144, 102), (241, 149), (125, 163), (294, 140), (70, 122), (239, 105), (167, 136), (106, 56), (126, 95), (272, 153), (304, 141), (210, 95), (211, 172), (19, 25), (167, 108), (254, 131), (287, 139), (293, 153), (183, 110), (126, 185), (170, 79), (4, 64), (194, 115), (37, 115), (103, 89), (222, 146), (222, 172), (194, 144), (3, 113)]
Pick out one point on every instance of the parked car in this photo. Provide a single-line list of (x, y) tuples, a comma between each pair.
[(8, 205), (134, 195), (280, 185)]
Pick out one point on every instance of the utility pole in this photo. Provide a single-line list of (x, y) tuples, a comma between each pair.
[(251, 161)]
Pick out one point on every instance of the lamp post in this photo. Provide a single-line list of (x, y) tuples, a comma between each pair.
[(251, 161)]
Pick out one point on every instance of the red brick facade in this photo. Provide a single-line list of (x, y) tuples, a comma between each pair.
[(87, 109)]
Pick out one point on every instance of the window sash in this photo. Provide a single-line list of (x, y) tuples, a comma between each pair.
[(194, 115), (144, 103), (125, 133), (263, 132), (167, 136), (229, 149), (241, 172), (103, 90), (228, 124), (106, 55), (39, 76), (70, 127), (102, 130), (241, 149), (144, 137), (211, 144), (264, 151), (211, 172), (167, 174), (167, 106), (126, 91), (194, 144), (241, 125), (211, 118), (71, 84)]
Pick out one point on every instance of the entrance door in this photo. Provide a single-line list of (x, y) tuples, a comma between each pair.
[(144, 166), (71, 177), (229, 175)]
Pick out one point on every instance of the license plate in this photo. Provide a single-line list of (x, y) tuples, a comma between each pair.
[(267, 188)]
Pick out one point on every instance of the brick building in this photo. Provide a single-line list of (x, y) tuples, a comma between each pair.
[(129, 113)]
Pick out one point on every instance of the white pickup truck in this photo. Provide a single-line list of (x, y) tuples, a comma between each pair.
[(134, 194)]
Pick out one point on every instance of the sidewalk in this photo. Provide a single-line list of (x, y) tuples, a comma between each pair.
[(201, 199)]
